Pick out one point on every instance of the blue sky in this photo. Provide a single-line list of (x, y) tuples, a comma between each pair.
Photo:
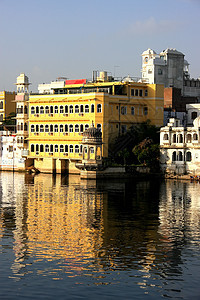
[(47, 39)]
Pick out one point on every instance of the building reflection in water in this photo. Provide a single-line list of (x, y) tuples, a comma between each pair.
[(88, 227)]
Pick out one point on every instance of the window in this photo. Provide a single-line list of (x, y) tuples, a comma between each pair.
[(41, 128), (81, 148), (141, 93), (32, 128), (70, 128), (32, 110), (37, 128), (166, 137), (46, 128), (76, 109), (180, 138), (66, 128), (174, 138), (136, 92), (195, 137), (92, 150), (188, 156), (55, 128), (71, 109), (46, 109), (61, 128), (174, 156), (66, 148), (32, 148), (76, 148), (124, 110), (61, 109), (123, 129), (56, 109), (61, 148), (41, 109), (160, 72), (66, 109), (92, 108), (180, 156), (37, 110), (194, 115), (76, 128), (99, 127), (56, 148), (81, 128), (132, 110), (51, 128), (145, 111), (81, 108), (86, 108), (86, 126), (46, 148), (189, 138), (1, 105), (146, 93), (51, 109), (99, 107), (51, 148), (132, 92), (71, 150)]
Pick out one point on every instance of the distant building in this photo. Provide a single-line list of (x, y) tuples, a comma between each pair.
[(180, 145), (7, 104), (171, 69)]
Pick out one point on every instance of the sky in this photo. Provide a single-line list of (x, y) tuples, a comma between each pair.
[(47, 39)]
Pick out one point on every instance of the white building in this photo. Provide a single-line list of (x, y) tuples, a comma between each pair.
[(48, 88), (171, 69), (180, 145)]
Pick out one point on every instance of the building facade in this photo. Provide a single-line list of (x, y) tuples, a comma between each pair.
[(180, 145), (57, 121), (7, 104)]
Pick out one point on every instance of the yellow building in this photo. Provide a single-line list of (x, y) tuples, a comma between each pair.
[(7, 104), (57, 121)]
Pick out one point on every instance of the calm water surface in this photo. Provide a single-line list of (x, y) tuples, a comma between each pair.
[(69, 239)]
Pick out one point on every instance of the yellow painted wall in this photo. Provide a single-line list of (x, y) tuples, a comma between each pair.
[(7, 105)]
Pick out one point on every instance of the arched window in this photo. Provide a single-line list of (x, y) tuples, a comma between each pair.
[(76, 109), (25, 127), (76, 128), (32, 128), (86, 108), (37, 110), (61, 109), (56, 109), (81, 108), (92, 108), (71, 148), (174, 156), (56, 128), (61, 128), (193, 115), (37, 128), (188, 156), (145, 110), (174, 138), (37, 148), (66, 148), (132, 110), (61, 148), (32, 110), (180, 138), (46, 109), (56, 148), (189, 138), (71, 109), (166, 137), (180, 156), (41, 109), (86, 126), (25, 109), (46, 148), (51, 128), (66, 109), (51, 148), (32, 148), (76, 148), (41, 128), (195, 137), (99, 127), (66, 128), (41, 148), (99, 108), (70, 128), (46, 128), (51, 109)]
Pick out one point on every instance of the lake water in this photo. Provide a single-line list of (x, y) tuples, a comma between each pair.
[(62, 238)]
